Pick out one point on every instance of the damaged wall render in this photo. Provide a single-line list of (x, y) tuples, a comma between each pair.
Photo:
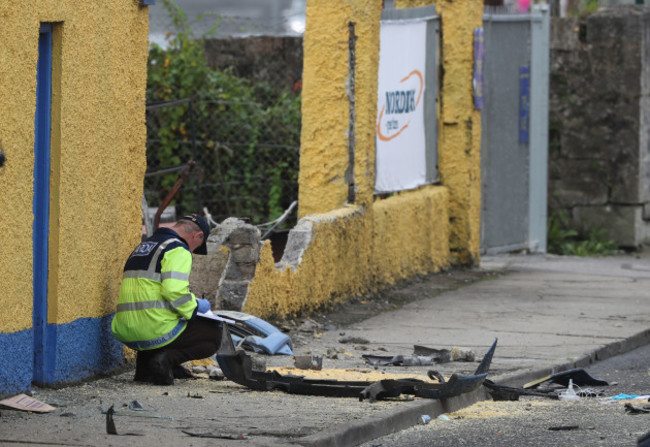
[(340, 249), (91, 190)]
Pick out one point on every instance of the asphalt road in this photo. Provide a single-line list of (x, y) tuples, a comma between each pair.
[(538, 421)]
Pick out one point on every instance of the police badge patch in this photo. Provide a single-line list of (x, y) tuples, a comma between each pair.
[(144, 249)]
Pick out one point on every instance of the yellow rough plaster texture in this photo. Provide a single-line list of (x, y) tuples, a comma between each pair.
[(410, 234), (334, 266), (97, 152), (323, 141), (459, 146), (353, 251), (325, 103)]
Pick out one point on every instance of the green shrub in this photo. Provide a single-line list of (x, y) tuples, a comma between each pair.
[(244, 136), (564, 241)]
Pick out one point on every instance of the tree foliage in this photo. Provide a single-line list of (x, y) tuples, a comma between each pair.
[(243, 135)]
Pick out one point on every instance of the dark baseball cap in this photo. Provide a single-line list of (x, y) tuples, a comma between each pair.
[(203, 225)]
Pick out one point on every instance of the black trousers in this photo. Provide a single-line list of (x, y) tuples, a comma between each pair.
[(200, 339)]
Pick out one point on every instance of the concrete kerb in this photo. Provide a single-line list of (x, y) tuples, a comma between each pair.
[(407, 416), (390, 422)]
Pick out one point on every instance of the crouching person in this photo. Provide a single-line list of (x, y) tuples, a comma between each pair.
[(156, 312)]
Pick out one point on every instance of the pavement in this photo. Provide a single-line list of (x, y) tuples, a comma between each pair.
[(549, 313)]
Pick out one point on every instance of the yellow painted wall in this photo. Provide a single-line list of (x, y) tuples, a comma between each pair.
[(372, 243), (98, 152), (325, 109), (459, 144), (355, 250)]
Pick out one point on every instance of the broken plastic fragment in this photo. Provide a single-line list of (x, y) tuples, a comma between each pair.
[(135, 406), (569, 394), (110, 424), (256, 334), (579, 377), (630, 409), (507, 393)]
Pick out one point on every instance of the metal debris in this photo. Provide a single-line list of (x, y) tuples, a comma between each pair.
[(236, 365)]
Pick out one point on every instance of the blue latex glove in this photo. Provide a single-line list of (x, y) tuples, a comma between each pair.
[(203, 305)]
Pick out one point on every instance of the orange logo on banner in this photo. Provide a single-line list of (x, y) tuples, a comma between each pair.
[(383, 137)]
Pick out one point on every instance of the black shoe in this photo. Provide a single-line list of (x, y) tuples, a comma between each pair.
[(161, 369), (142, 373)]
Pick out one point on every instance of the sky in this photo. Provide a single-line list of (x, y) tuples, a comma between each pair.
[(238, 18)]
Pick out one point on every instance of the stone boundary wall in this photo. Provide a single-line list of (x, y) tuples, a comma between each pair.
[(276, 60), (225, 273), (598, 128)]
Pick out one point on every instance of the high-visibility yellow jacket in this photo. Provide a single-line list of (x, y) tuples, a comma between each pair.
[(155, 301)]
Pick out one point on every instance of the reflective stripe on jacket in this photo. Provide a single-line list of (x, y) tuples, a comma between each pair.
[(155, 301)]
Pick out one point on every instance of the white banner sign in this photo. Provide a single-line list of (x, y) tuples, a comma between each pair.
[(401, 162)]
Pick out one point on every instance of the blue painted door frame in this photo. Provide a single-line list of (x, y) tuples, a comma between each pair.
[(44, 346)]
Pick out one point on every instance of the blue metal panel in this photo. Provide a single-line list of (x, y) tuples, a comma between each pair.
[(479, 60), (524, 103), (43, 352)]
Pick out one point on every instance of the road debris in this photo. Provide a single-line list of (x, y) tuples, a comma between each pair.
[(564, 427), (23, 402), (139, 414), (135, 406), (507, 393), (569, 394), (236, 365), (437, 355), (314, 362), (351, 339), (423, 356), (424, 419), (110, 424), (254, 334), (578, 376), (215, 435), (459, 354), (398, 360), (631, 409)]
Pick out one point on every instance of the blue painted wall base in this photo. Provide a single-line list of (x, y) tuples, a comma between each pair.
[(84, 347), (17, 365)]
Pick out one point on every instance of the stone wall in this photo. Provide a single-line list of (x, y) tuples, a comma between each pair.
[(225, 273), (276, 60), (598, 142)]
